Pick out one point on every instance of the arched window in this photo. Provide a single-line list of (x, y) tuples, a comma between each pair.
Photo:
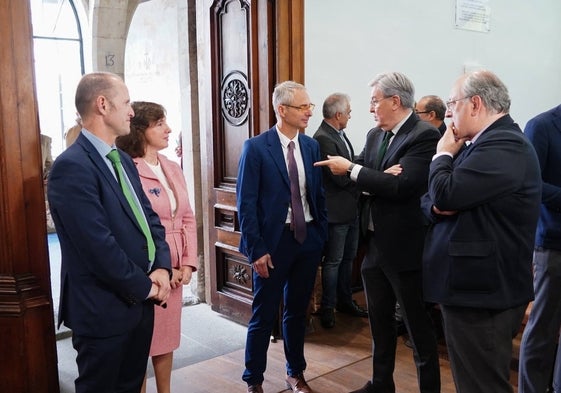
[(59, 65)]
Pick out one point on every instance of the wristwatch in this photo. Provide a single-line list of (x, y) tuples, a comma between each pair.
[(350, 169)]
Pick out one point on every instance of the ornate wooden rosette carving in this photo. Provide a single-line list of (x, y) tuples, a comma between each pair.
[(240, 274), (235, 98)]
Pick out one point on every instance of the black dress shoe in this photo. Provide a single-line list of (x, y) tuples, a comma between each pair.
[(368, 388), (327, 318), (353, 309)]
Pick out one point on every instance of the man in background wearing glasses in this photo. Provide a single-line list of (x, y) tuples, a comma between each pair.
[(283, 223), (432, 110), (483, 203)]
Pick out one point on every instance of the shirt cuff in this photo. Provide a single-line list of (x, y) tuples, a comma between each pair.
[(353, 175), (442, 153)]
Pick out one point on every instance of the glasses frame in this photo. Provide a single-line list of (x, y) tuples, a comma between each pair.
[(302, 108), (452, 103), (422, 112), (375, 103)]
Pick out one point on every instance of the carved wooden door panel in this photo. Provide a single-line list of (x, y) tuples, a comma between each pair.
[(245, 66)]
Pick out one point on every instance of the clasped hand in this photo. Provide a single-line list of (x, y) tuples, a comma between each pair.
[(181, 276), (160, 286)]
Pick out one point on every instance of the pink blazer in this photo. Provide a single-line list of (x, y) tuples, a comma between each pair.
[(181, 229)]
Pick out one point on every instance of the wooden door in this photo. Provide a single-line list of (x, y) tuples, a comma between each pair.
[(254, 45), (28, 357)]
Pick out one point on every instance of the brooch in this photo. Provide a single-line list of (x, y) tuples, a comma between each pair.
[(156, 191)]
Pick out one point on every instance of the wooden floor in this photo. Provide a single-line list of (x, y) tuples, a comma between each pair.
[(339, 360)]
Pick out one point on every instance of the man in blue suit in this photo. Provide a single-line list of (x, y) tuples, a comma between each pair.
[(282, 235), (537, 350), (483, 202), (110, 278)]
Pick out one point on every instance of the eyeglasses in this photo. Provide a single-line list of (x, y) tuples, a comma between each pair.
[(422, 112), (375, 102), (452, 103), (303, 107)]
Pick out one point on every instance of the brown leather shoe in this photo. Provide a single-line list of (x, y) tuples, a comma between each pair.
[(298, 384), (254, 389)]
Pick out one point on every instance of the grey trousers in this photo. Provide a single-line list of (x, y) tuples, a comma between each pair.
[(479, 345)]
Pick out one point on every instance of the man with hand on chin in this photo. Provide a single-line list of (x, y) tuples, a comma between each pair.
[(483, 204)]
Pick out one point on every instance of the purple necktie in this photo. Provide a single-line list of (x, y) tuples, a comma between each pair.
[(298, 222)]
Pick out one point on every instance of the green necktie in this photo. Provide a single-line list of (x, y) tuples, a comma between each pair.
[(383, 148), (114, 157)]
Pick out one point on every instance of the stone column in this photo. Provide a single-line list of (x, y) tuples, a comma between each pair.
[(110, 21)]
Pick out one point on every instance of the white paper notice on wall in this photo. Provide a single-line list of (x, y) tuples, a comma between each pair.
[(472, 67), (474, 15)]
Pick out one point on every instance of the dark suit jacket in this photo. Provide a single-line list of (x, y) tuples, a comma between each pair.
[(399, 227), (544, 132), (482, 256), (340, 191), (263, 191), (104, 253)]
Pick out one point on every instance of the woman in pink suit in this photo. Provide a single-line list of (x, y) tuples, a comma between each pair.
[(164, 184)]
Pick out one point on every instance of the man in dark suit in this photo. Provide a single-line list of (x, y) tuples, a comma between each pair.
[(483, 202), (283, 223), (110, 278), (537, 350), (393, 170), (341, 196)]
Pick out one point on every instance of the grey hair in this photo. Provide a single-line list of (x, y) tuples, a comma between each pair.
[(284, 93), (335, 103), (435, 104), (490, 88), (395, 84)]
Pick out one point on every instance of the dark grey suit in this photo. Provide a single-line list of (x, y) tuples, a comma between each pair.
[(392, 267), (342, 244), (340, 191)]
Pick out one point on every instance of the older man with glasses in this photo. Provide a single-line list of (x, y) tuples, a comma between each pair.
[(392, 169), (483, 205)]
